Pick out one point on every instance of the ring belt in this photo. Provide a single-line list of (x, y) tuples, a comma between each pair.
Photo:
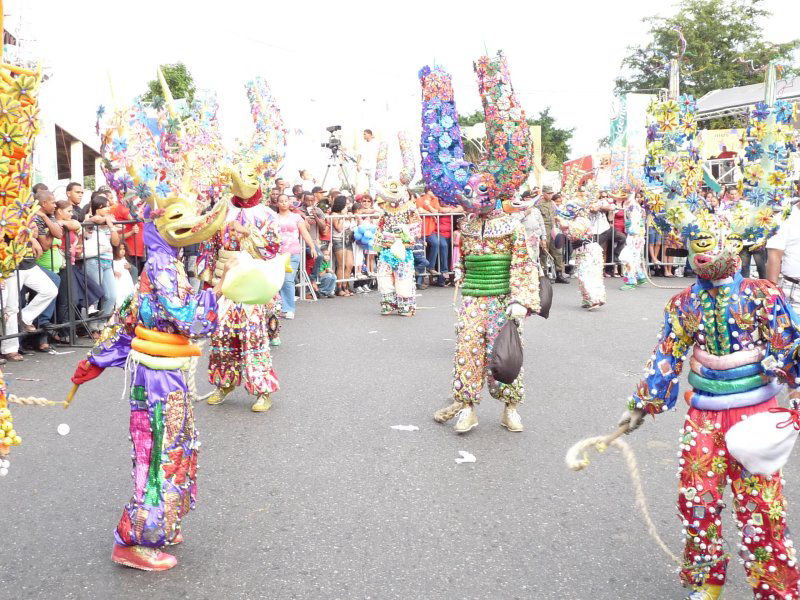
[(729, 401), (159, 343)]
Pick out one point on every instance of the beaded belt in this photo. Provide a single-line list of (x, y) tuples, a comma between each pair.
[(487, 275)]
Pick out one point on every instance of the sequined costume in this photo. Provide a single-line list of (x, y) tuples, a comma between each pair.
[(744, 340), (239, 353), (398, 228), (589, 271), (632, 255), (497, 273)]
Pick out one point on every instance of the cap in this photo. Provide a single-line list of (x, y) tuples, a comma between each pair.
[(316, 189), (547, 189)]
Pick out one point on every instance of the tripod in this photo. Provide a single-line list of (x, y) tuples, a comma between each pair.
[(335, 161)]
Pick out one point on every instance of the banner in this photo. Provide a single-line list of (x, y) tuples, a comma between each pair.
[(628, 138)]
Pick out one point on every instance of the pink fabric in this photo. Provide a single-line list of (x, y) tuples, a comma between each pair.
[(728, 361), (290, 232), (142, 444)]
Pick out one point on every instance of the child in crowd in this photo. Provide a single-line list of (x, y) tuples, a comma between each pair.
[(327, 278), (420, 262), (122, 267), (361, 271)]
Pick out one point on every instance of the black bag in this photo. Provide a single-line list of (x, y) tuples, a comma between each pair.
[(505, 361), (545, 295)]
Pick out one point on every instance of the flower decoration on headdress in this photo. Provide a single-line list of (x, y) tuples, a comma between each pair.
[(19, 125), (508, 159)]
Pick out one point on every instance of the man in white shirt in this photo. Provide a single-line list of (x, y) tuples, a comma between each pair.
[(367, 159), (783, 255)]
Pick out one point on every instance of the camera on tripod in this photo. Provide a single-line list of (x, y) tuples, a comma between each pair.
[(334, 143)]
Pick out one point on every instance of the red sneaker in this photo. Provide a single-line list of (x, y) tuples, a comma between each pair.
[(142, 557)]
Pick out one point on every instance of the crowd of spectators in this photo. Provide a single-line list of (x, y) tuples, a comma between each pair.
[(85, 257)]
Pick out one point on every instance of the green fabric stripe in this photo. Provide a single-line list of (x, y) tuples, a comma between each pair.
[(155, 477), (718, 386)]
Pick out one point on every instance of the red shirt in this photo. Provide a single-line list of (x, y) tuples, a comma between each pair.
[(135, 243)]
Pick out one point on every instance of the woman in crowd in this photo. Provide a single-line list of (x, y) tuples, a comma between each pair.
[(342, 242), (99, 241), (293, 226)]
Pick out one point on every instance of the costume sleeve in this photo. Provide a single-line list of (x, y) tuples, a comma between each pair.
[(207, 258), (658, 391), (524, 274), (377, 240), (779, 326), (267, 239)]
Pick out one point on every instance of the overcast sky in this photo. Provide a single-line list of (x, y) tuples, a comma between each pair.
[(349, 62)]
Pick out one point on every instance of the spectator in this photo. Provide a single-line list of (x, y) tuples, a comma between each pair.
[(273, 199), (38, 188), (280, 185), (75, 197), (342, 243), (367, 158), (315, 223), (306, 181), (368, 216), (292, 228), (122, 274), (327, 278), (297, 193), (28, 274), (783, 261), (547, 207), (617, 217), (437, 231), (48, 234), (71, 229), (99, 240), (132, 235)]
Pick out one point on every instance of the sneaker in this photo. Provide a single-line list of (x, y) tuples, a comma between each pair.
[(142, 558), (510, 418), (628, 286), (288, 315), (275, 341), (641, 281), (467, 419), (262, 404)]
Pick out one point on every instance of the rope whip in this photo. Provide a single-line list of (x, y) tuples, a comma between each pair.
[(35, 401), (577, 459)]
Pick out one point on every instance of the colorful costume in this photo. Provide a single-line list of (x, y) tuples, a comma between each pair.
[(572, 217), (240, 346), (496, 271), (19, 126), (398, 228), (632, 255), (156, 163), (742, 335)]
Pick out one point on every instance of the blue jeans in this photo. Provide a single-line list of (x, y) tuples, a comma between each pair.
[(317, 263), (438, 247), (46, 316), (102, 273), (327, 284), (287, 291)]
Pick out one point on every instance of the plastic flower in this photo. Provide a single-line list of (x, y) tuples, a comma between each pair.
[(146, 173), (754, 151), (687, 103), (11, 138), (143, 191), (9, 108), (783, 111), (445, 141), (23, 88), (690, 231), (756, 196), (764, 216), (29, 120), (753, 173), (119, 145), (163, 189), (761, 111), (777, 178)]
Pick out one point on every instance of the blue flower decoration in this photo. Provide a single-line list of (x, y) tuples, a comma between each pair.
[(783, 112), (446, 122), (119, 144), (163, 190), (693, 202), (753, 234), (756, 196), (754, 151), (444, 156), (687, 104), (761, 111), (776, 152), (101, 110), (143, 191), (445, 140), (690, 231), (147, 173)]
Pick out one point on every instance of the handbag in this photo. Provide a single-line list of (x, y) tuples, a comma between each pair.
[(505, 361)]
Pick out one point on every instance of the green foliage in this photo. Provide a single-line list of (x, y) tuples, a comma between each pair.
[(718, 34), (88, 182), (555, 141), (179, 80)]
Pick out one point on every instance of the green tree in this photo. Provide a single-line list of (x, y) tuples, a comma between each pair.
[(179, 80), (719, 34), (555, 140)]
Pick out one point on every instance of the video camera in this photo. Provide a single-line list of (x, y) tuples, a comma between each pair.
[(334, 143)]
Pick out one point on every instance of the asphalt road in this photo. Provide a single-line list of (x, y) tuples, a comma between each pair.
[(320, 498)]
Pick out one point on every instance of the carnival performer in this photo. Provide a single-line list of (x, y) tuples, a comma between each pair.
[(632, 255), (240, 346), (572, 216), (398, 228), (19, 124), (150, 334), (743, 338), (498, 277)]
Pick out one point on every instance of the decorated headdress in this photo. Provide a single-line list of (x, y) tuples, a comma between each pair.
[(508, 160), (574, 210), (154, 162), (19, 125), (390, 189), (259, 160), (673, 163)]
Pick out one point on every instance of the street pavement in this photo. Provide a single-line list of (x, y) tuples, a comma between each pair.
[(320, 498)]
